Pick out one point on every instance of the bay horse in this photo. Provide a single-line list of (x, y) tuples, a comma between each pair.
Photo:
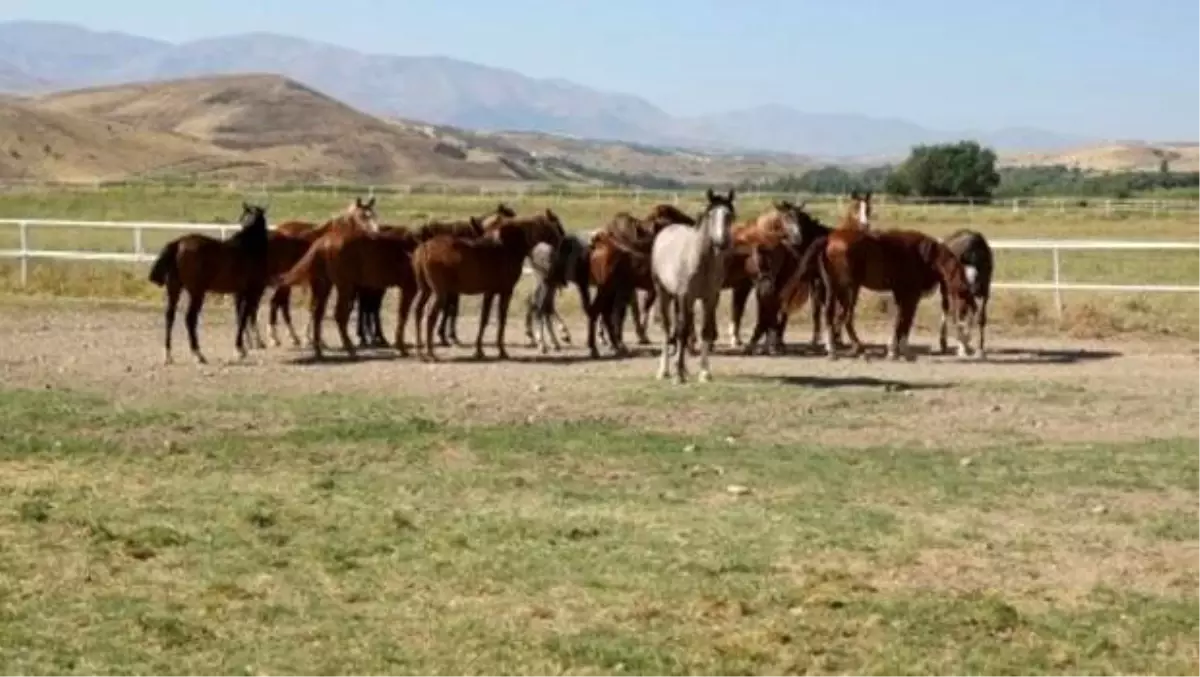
[(201, 265), (350, 261), (974, 252), (908, 263), (286, 252), (490, 265), (447, 329), (688, 265), (638, 233), (617, 269)]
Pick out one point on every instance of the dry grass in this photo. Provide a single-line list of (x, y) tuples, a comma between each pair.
[(1035, 514), (1119, 157)]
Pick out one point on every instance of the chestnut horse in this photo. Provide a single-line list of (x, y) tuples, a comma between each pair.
[(490, 265), (351, 261), (286, 252), (202, 264), (447, 329), (617, 268), (858, 212), (908, 263)]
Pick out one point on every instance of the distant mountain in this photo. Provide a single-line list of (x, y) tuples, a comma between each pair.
[(447, 91)]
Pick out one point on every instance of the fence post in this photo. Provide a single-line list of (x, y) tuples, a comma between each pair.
[(24, 230), (1058, 302), (1016, 205), (1108, 207), (137, 240)]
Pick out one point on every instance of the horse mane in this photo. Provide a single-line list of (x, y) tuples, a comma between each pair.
[(667, 214)]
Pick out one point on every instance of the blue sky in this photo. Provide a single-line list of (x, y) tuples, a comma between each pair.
[(1109, 68)]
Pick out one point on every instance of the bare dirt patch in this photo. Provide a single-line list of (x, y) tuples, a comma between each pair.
[(1040, 390)]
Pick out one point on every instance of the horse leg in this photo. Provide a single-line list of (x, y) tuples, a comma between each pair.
[(273, 319), (502, 319), (548, 319), (361, 302), (906, 310), (318, 302), (664, 308), (402, 312), (685, 316), (431, 321), (173, 291), (942, 347), (286, 309), (530, 315), (817, 297), (639, 322), (377, 318), (830, 306), (585, 302), (191, 319), (850, 310), (241, 304), (740, 293), (346, 296), (709, 307), (982, 327), (485, 313)]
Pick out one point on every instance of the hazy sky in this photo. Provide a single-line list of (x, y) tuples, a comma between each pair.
[(1110, 68)]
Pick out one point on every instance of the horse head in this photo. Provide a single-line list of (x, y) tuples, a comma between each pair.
[(859, 211), (783, 216), (363, 214), (717, 219)]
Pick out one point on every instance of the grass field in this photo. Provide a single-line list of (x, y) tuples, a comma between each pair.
[(1086, 314), (1036, 514)]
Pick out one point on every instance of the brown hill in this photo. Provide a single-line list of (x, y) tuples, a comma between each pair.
[(1132, 156), (45, 145), (276, 129)]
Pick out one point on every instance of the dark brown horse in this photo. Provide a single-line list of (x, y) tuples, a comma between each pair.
[(974, 252), (202, 265), (617, 268), (489, 265), (350, 262), (908, 263)]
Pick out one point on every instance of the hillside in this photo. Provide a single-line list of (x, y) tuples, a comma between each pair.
[(1134, 156), (270, 128), (451, 92)]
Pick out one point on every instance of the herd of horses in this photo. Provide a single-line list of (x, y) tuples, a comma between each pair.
[(784, 256)]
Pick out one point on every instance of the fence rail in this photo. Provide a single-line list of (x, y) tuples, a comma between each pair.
[(25, 253)]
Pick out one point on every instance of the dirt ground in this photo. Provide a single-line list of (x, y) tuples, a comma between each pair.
[(1032, 390)]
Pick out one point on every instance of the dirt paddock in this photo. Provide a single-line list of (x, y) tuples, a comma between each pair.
[(1032, 389)]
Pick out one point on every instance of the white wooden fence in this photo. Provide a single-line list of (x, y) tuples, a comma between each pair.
[(25, 253)]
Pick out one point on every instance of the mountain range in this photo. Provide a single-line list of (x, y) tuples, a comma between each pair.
[(44, 56)]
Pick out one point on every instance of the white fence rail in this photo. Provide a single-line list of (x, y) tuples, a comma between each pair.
[(137, 229)]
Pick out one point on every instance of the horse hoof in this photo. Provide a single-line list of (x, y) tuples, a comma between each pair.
[(680, 379), (705, 376), (502, 355), (200, 359)]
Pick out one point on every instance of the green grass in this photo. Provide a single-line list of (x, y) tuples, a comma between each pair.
[(1089, 313), (352, 534)]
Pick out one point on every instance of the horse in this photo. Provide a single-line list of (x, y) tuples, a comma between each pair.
[(974, 252), (351, 261), (858, 212), (555, 267), (638, 233), (202, 264), (617, 269), (771, 269), (907, 263), (490, 265), (448, 325), (688, 264), (357, 215)]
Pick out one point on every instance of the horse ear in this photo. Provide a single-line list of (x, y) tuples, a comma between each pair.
[(711, 197), (371, 203), (550, 214), (854, 194), (731, 195), (867, 196), (800, 207)]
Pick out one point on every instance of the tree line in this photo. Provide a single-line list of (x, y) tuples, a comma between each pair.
[(966, 170)]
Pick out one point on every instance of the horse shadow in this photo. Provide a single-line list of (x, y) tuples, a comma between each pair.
[(332, 358), (822, 382)]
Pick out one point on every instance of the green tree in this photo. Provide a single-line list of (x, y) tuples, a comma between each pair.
[(964, 169)]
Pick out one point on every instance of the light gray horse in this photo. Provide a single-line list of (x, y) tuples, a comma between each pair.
[(687, 264), (553, 268)]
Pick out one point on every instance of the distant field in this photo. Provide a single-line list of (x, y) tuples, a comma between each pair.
[(1088, 313)]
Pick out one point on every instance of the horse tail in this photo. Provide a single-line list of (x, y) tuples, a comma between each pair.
[(166, 264), (303, 270)]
